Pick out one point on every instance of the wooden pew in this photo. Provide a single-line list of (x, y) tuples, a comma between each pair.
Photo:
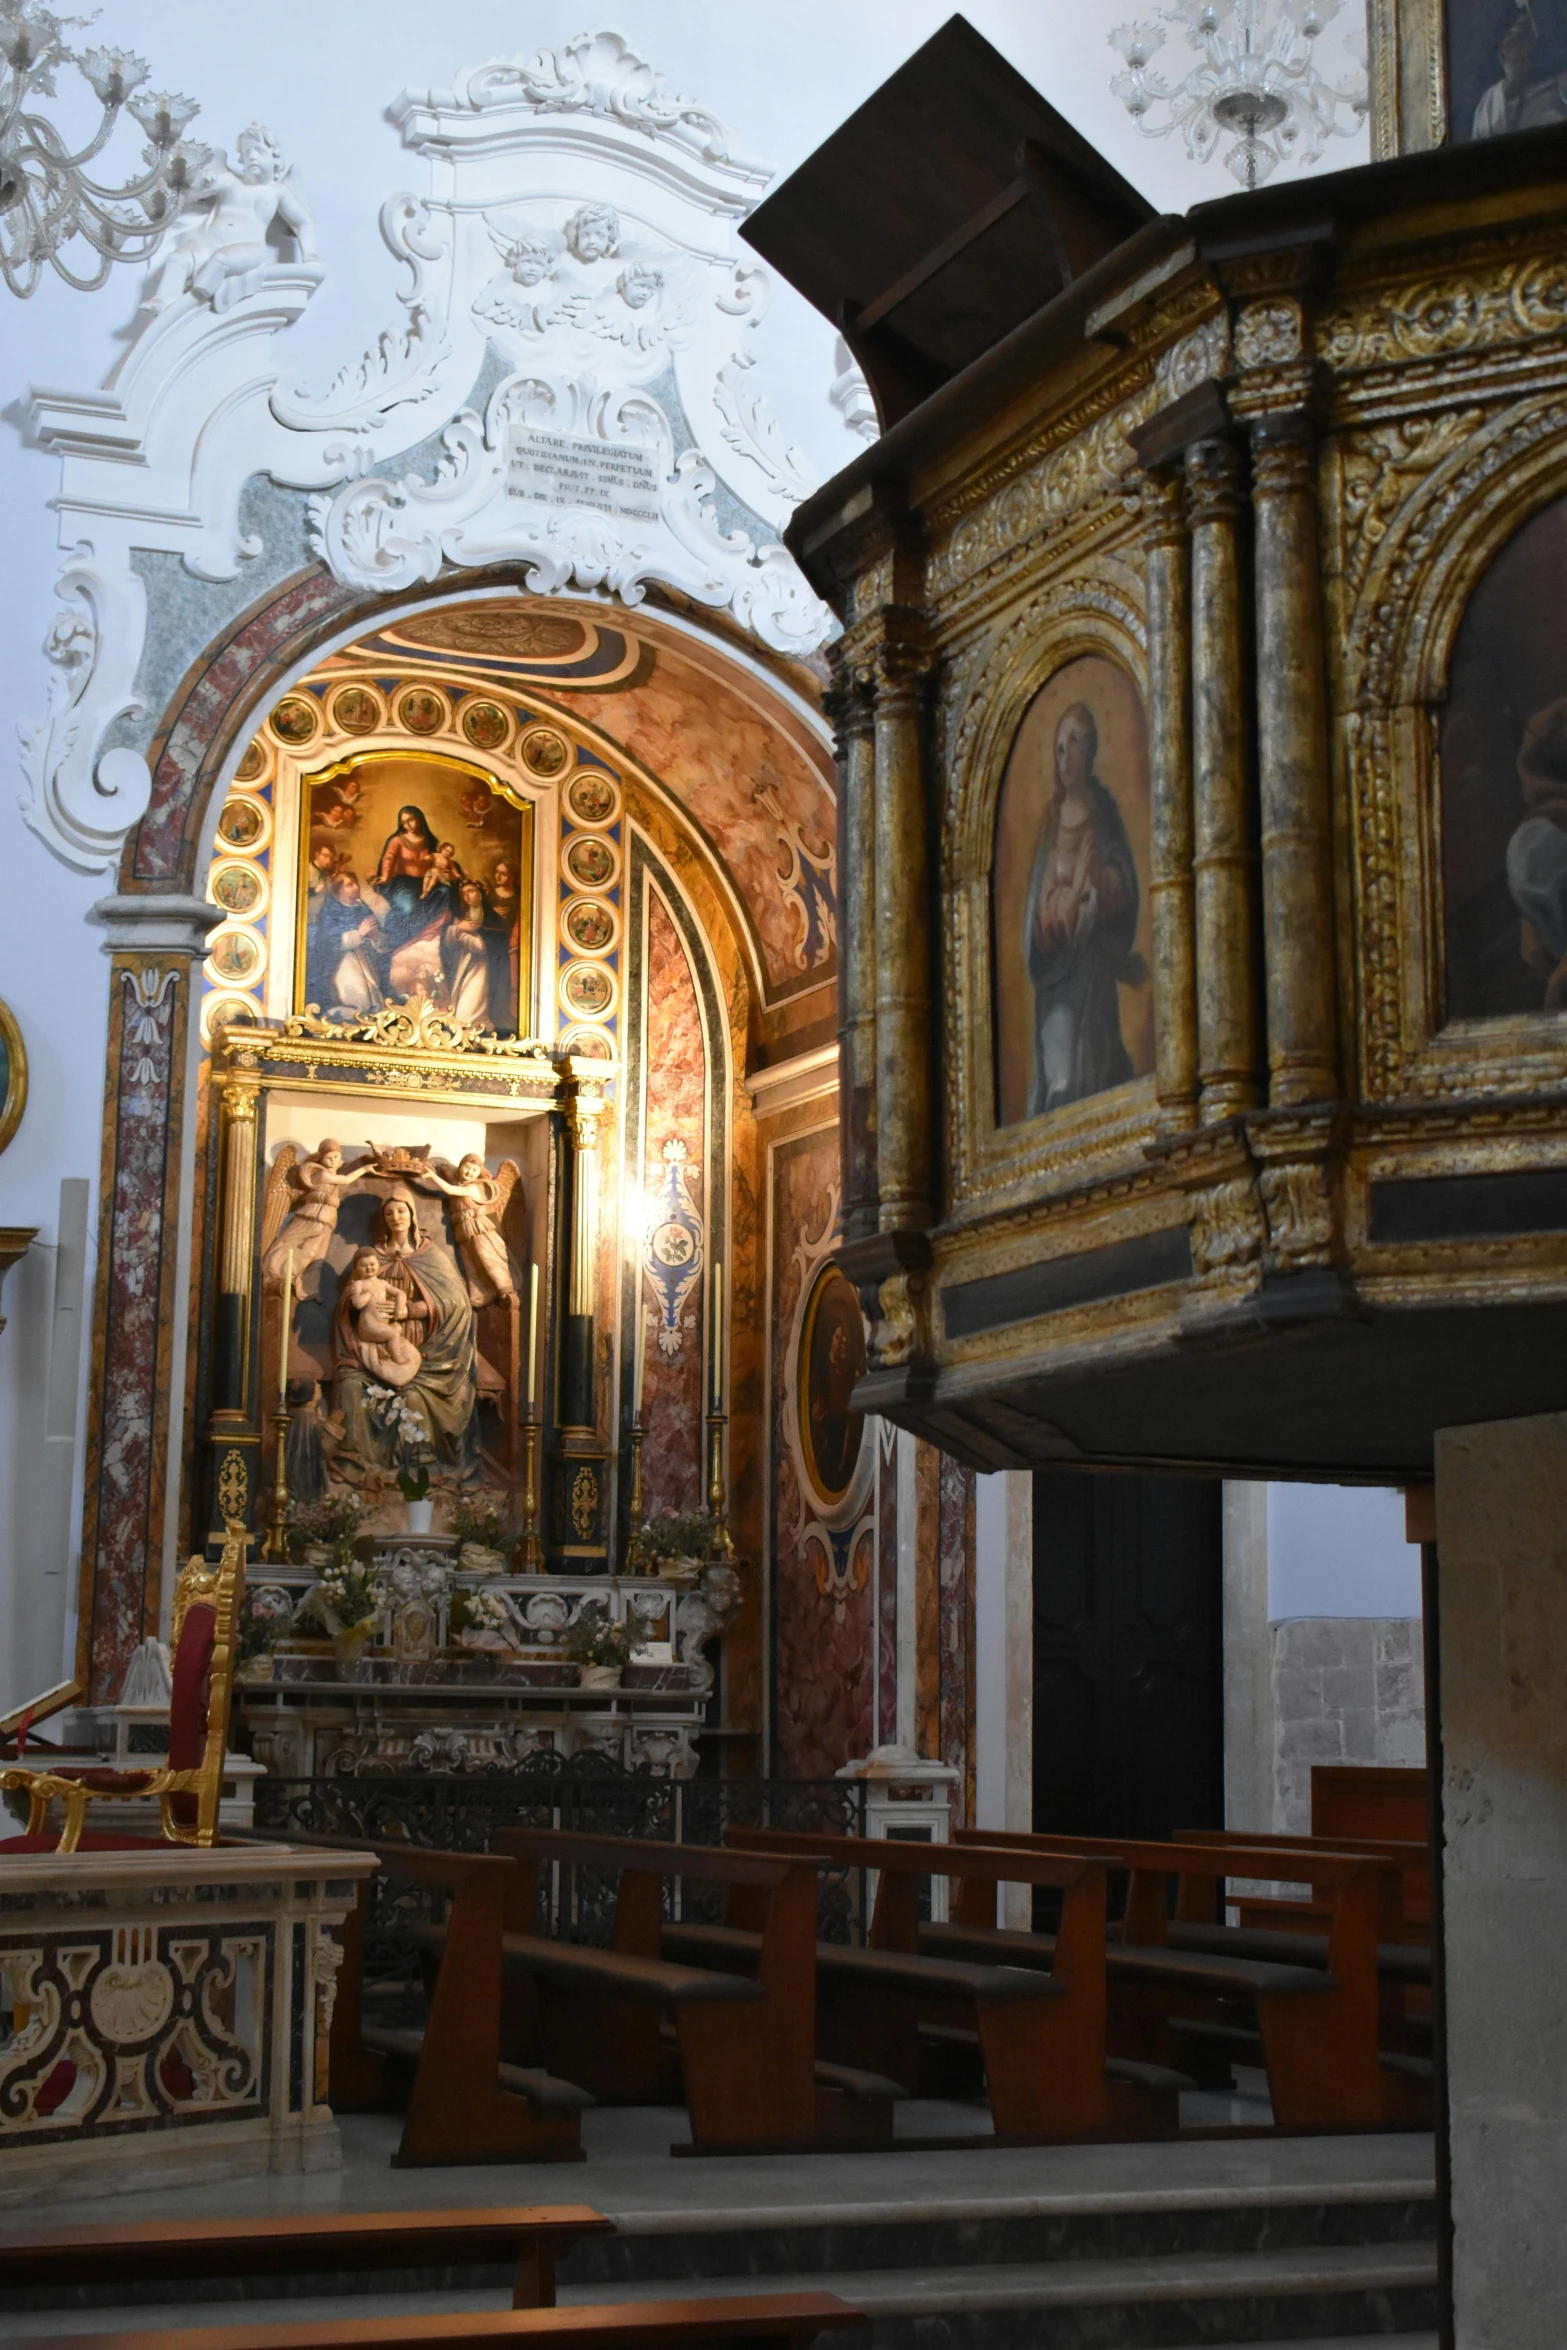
[(1044, 2064), (180, 2251), (747, 2061), (1317, 2028), (752, 2321), (465, 2104)]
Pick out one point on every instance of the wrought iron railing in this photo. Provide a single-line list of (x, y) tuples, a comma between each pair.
[(464, 1812)]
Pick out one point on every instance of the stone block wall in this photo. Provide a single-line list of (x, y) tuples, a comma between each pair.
[(1346, 1689)]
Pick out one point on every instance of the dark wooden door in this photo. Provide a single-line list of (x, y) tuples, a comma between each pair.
[(1128, 1655)]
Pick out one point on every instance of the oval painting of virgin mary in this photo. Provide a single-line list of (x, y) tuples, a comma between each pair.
[(832, 1362)]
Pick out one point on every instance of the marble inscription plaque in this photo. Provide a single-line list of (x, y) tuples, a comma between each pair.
[(557, 469)]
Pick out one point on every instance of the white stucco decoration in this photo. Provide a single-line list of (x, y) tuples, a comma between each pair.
[(575, 253)]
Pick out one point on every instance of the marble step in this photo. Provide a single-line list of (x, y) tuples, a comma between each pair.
[(1250, 2301)]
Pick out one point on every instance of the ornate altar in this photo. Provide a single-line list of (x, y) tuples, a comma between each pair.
[(163, 2015), (1203, 734), (424, 1696)]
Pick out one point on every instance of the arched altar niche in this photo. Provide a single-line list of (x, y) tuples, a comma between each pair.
[(1503, 745), (1070, 917)]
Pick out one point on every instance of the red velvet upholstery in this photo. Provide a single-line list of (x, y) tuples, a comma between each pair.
[(188, 1707)]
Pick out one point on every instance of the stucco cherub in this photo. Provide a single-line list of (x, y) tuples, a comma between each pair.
[(224, 239)]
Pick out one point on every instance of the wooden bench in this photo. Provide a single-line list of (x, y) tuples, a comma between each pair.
[(1292, 1913), (1316, 2028), (747, 2061), (465, 2103), (179, 2251), (1041, 2063), (752, 2321)]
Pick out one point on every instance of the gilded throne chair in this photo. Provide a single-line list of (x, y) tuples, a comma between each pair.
[(189, 1786)]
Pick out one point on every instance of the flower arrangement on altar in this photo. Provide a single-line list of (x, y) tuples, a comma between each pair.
[(348, 1599), (600, 1646), (330, 1522), (675, 1538), (482, 1618)]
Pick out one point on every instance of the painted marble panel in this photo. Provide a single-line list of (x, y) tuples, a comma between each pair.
[(765, 807), (122, 1533), (674, 1191), (823, 1631), (955, 1558)]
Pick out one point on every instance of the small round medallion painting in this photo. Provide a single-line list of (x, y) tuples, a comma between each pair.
[(591, 862), (254, 763), (831, 1362), (544, 752), (242, 824), (592, 798), (422, 711), (295, 719), (484, 723), (13, 1075), (238, 889), (590, 1044), (587, 989), (589, 926), (235, 956), (356, 710)]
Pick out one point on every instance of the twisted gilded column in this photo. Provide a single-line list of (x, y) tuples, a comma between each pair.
[(904, 926), (1224, 832), (1171, 892), (1292, 759), (851, 703)]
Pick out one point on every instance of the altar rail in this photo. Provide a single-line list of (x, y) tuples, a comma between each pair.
[(464, 1812)]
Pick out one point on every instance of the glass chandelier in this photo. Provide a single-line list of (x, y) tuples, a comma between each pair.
[(1256, 77), (47, 198)]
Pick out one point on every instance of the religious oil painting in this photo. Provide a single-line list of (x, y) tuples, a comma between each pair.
[(1506, 66), (417, 884), (832, 1362), (1069, 895), (1504, 784)]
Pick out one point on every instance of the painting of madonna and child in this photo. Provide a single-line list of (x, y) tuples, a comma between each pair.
[(396, 1271), (417, 885), (1069, 882)]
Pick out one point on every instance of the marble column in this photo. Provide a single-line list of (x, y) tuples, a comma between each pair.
[(853, 710), (904, 929), (1292, 759), (1501, 1521), (1224, 830), (582, 1516), (1170, 886), (154, 942)]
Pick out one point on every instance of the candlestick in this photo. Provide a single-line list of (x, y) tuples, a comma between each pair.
[(275, 1550), (718, 1335), (723, 1544), (530, 1550), (533, 1334), (285, 1330), (636, 1511), (638, 1351)]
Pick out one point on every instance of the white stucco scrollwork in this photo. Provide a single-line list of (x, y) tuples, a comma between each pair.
[(576, 347)]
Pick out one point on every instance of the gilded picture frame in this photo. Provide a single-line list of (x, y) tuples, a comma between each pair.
[(1447, 72), (13, 1075), (468, 801)]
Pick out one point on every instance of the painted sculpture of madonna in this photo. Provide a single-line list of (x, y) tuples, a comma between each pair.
[(395, 1277), (403, 1347)]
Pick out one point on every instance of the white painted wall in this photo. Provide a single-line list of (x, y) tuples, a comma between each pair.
[(321, 77)]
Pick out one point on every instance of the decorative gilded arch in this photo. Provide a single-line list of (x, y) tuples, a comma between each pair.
[(1440, 503)]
